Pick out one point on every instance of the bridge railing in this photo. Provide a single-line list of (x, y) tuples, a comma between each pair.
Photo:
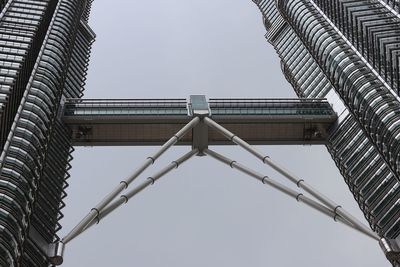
[(83, 107), (278, 106)]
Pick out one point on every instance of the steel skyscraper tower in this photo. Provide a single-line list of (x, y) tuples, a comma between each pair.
[(349, 52), (44, 52)]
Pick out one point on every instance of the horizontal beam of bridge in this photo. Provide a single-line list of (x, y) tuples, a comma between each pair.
[(153, 121)]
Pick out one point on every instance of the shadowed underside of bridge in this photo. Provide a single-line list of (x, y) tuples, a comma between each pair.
[(154, 121)]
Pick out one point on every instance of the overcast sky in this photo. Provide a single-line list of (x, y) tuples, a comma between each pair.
[(204, 213)]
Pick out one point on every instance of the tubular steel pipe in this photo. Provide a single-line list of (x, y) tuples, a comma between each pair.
[(293, 178), (149, 181), (288, 191), (124, 184)]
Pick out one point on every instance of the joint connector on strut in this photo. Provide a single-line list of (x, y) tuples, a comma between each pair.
[(391, 249), (56, 253)]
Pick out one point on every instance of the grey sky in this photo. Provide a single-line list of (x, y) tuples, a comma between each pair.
[(203, 214)]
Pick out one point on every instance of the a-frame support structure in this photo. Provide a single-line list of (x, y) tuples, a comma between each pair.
[(199, 124)]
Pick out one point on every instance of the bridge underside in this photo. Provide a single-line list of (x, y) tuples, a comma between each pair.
[(152, 122)]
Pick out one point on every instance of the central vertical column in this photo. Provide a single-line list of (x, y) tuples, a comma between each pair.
[(198, 107)]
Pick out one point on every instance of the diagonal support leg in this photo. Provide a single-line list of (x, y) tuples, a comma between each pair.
[(149, 181), (124, 184), (286, 190), (293, 178), (57, 257)]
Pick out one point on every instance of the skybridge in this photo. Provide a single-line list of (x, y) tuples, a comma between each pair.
[(259, 121)]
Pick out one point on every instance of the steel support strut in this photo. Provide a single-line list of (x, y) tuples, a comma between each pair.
[(56, 257), (94, 212), (286, 190), (299, 182), (149, 181), (109, 204)]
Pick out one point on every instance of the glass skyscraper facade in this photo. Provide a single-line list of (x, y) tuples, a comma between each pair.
[(44, 53), (349, 52)]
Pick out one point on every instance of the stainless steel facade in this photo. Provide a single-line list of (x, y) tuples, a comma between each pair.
[(349, 52), (44, 53)]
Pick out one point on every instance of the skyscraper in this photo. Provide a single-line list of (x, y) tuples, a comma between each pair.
[(349, 52), (44, 52)]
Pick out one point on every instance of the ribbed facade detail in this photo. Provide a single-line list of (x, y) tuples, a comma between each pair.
[(46, 46), (23, 26), (298, 65), (86, 12), (373, 30), (317, 57), (79, 62), (374, 186), (372, 103)]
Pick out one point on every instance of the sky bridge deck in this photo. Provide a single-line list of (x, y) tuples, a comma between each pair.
[(97, 122)]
